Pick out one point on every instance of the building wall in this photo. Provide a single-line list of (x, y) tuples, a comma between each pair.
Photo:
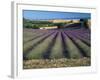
[(89, 24), (52, 27)]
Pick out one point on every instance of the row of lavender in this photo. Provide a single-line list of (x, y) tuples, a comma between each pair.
[(55, 44)]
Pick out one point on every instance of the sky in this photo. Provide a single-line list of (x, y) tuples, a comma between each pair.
[(47, 15)]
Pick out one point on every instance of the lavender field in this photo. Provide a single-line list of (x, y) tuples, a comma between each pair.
[(50, 48)]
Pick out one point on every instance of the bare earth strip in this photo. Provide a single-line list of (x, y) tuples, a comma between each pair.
[(55, 63)]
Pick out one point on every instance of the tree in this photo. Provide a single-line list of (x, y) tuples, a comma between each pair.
[(84, 23)]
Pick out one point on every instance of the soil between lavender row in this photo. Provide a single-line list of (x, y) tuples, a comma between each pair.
[(55, 63)]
